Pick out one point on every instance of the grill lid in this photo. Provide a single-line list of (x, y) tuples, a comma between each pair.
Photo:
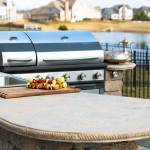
[(16, 49), (65, 47), (44, 48)]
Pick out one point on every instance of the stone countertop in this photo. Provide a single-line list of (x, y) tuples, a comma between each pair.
[(121, 66), (78, 117)]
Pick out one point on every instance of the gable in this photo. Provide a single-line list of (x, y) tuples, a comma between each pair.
[(3, 3)]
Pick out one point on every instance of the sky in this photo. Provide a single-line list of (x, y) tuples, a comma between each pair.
[(29, 4)]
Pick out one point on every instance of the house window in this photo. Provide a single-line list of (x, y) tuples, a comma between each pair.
[(50, 9)]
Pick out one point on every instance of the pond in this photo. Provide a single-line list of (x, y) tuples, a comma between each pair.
[(116, 37)]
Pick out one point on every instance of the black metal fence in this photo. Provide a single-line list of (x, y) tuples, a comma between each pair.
[(136, 82)]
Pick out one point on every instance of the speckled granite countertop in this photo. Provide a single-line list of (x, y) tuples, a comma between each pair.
[(77, 117)]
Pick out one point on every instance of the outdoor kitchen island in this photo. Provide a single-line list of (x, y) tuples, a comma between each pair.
[(76, 121)]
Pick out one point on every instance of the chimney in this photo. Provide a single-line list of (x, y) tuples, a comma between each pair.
[(123, 12), (66, 10)]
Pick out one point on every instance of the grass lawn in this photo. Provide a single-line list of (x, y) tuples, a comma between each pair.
[(91, 25)]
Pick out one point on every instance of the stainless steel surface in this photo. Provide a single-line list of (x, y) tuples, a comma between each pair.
[(58, 36), (70, 76), (69, 57), (10, 81), (44, 48), (115, 56), (18, 58), (66, 47), (16, 49), (79, 51), (13, 37), (119, 56), (96, 91)]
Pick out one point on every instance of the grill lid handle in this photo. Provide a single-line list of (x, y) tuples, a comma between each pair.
[(19, 59), (64, 38), (74, 58), (13, 38)]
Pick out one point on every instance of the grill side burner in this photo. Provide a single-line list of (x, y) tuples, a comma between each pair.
[(76, 55)]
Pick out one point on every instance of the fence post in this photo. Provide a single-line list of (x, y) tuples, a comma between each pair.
[(147, 60), (134, 74), (106, 46)]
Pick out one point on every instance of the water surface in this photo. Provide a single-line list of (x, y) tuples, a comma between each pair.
[(116, 37)]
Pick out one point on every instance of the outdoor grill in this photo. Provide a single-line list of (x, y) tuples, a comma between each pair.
[(76, 55)]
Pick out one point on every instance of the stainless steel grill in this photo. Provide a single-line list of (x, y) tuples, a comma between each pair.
[(76, 55)]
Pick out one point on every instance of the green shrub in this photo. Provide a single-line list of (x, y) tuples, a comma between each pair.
[(142, 45), (62, 27), (141, 16)]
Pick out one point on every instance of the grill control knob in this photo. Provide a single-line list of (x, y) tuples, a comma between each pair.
[(49, 76), (115, 74), (38, 76), (98, 75), (67, 77), (82, 76)]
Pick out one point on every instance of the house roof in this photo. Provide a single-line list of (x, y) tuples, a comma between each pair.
[(36, 11), (144, 8), (58, 4), (98, 8), (119, 6), (112, 11), (3, 3), (71, 2)]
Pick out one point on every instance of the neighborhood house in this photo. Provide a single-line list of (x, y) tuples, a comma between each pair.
[(118, 12), (7, 10), (145, 9), (66, 10)]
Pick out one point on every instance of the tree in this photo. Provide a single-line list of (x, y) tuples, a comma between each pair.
[(141, 16)]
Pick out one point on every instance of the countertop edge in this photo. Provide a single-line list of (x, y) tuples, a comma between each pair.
[(71, 136), (123, 66)]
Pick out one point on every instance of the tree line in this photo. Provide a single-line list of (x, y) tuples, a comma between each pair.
[(141, 16)]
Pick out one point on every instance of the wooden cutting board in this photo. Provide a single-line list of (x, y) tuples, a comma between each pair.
[(14, 92)]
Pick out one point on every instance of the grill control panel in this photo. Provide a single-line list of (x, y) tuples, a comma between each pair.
[(70, 76)]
